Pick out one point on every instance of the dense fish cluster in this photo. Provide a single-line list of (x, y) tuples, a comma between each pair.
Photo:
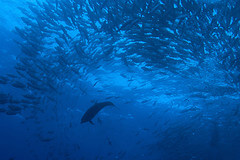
[(180, 54), (64, 41)]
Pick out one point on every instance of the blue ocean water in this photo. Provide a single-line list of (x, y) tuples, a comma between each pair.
[(119, 80)]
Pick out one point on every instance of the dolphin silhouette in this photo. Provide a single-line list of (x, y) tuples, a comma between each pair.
[(92, 111)]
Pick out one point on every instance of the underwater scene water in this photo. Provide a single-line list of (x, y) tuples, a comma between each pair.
[(120, 80)]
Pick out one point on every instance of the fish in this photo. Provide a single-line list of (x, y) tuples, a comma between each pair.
[(18, 84), (4, 98), (2, 110), (92, 111), (109, 141), (12, 112), (95, 83), (14, 108), (46, 139)]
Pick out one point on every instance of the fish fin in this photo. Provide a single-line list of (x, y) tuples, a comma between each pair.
[(91, 122)]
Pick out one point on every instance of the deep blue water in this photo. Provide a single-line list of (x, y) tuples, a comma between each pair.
[(171, 68)]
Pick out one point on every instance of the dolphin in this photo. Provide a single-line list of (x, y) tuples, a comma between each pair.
[(92, 111)]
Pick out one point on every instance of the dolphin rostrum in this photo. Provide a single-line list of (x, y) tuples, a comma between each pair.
[(92, 111)]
